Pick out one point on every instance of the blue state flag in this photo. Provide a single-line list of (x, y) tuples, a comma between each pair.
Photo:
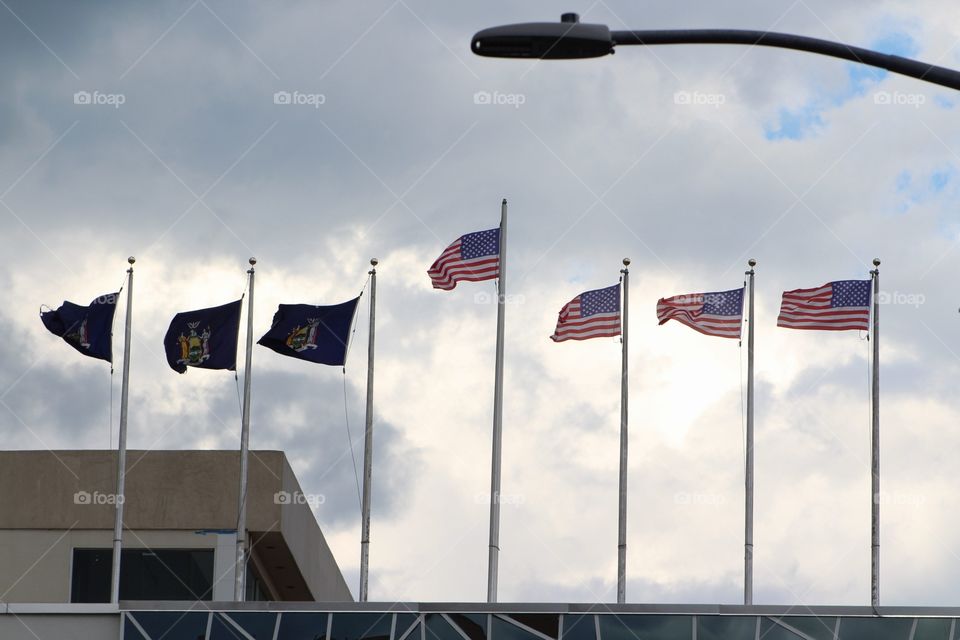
[(314, 333), (205, 338), (88, 329)]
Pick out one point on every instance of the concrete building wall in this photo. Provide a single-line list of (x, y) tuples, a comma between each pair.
[(54, 501), (35, 565)]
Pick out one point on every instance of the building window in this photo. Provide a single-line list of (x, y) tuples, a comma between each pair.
[(145, 574)]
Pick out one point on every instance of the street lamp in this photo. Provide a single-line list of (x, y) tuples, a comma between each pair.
[(572, 39)]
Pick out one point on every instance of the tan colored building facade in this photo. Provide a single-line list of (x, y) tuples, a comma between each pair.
[(56, 503)]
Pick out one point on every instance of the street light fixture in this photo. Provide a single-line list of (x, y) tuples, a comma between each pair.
[(572, 39)]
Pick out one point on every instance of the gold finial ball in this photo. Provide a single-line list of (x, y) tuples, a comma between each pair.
[(752, 262), (131, 260), (374, 262), (253, 261), (626, 262), (876, 262)]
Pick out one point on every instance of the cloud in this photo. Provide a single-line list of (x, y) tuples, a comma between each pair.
[(199, 169)]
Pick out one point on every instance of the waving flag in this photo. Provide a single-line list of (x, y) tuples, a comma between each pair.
[(836, 306), (471, 258), (592, 314), (314, 333), (88, 329), (719, 313), (205, 338)]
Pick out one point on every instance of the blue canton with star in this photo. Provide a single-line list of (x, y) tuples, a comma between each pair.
[(723, 303), (851, 293), (600, 301), (480, 244)]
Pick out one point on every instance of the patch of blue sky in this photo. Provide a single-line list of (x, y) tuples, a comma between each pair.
[(801, 122), (941, 183)]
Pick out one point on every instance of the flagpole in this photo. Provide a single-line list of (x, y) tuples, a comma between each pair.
[(368, 442), (494, 547), (748, 507), (875, 445), (624, 395), (122, 444), (240, 568)]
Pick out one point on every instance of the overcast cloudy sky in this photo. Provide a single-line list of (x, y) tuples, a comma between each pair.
[(689, 160)]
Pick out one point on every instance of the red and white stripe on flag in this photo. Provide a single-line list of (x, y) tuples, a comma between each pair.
[(471, 258), (592, 314)]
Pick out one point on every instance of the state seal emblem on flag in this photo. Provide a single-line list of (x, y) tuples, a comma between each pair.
[(80, 337), (195, 347), (304, 337)]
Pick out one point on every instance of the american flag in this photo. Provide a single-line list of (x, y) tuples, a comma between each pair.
[(719, 313), (836, 306), (592, 314), (471, 258)]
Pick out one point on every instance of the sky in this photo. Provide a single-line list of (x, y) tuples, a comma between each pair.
[(194, 134)]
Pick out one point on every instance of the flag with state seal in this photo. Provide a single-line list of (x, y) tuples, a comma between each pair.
[(204, 338), (314, 333)]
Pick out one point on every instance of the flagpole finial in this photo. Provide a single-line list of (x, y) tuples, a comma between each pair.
[(374, 262), (131, 260), (252, 261), (626, 262), (876, 262), (504, 201), (752, 262)]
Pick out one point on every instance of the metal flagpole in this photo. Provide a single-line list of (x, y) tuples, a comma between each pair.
[(493, 559), (875, 445), (748, 507), (622, 515), (122, 444), (241, 566), (368, 442)]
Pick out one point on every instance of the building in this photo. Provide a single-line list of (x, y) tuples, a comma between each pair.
[(56, 528), (57, 513)]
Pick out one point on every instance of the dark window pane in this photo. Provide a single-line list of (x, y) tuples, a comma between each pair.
[(875, 628), (166, 574), (472, 624), (645, 627), (812, 626), (726, 628), (161, 574), (546, 623), (438, 628), (173, 625), (303, 626), (91, 575), (404, 622), (361, 626), (579, 627), (130, 632), (220, 629), (259, 625), (414, 634), (932, 629)]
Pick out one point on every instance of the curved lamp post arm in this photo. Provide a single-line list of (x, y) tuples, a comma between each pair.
[(896, 64), (571, 39)]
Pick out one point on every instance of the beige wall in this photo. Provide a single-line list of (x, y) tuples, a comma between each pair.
[(169, 496), (59, 627), (35, 565)]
